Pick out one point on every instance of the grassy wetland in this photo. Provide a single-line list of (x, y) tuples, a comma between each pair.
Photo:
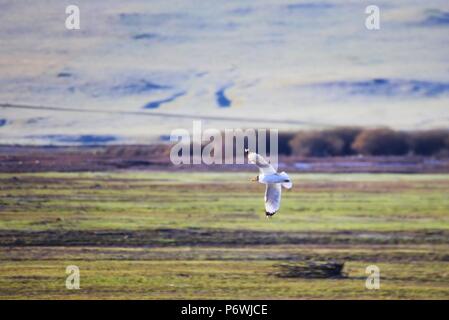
[(181, 235)]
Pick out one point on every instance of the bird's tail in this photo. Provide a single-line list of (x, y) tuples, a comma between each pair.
[(287, 184)]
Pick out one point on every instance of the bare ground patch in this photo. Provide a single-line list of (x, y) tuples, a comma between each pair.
[(212, 237)]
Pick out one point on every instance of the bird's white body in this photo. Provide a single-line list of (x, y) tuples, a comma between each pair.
[(274, 178)]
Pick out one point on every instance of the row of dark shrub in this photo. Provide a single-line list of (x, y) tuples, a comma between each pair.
[(342, 141), (346, 141)]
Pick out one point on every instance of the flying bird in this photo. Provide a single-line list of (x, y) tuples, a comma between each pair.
[(273, 180)]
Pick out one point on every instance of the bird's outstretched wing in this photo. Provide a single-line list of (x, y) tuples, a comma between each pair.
[(264, 166), (272, 198)]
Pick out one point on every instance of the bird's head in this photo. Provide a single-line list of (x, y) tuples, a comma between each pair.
[(255, 179)]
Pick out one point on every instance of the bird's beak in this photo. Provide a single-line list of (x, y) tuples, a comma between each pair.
[(253, 179)]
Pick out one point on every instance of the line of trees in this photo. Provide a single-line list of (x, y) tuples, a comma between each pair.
[(345, 141), (342, 141)]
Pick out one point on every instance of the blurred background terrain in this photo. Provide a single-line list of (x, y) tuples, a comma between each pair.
[(86, 179), (139, 69)]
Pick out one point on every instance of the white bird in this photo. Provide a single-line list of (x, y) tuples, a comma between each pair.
[(273, 180)]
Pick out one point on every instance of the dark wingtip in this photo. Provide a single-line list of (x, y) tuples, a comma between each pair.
[(270, 214)]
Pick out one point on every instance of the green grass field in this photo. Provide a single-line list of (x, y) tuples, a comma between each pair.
[(182, 235)]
